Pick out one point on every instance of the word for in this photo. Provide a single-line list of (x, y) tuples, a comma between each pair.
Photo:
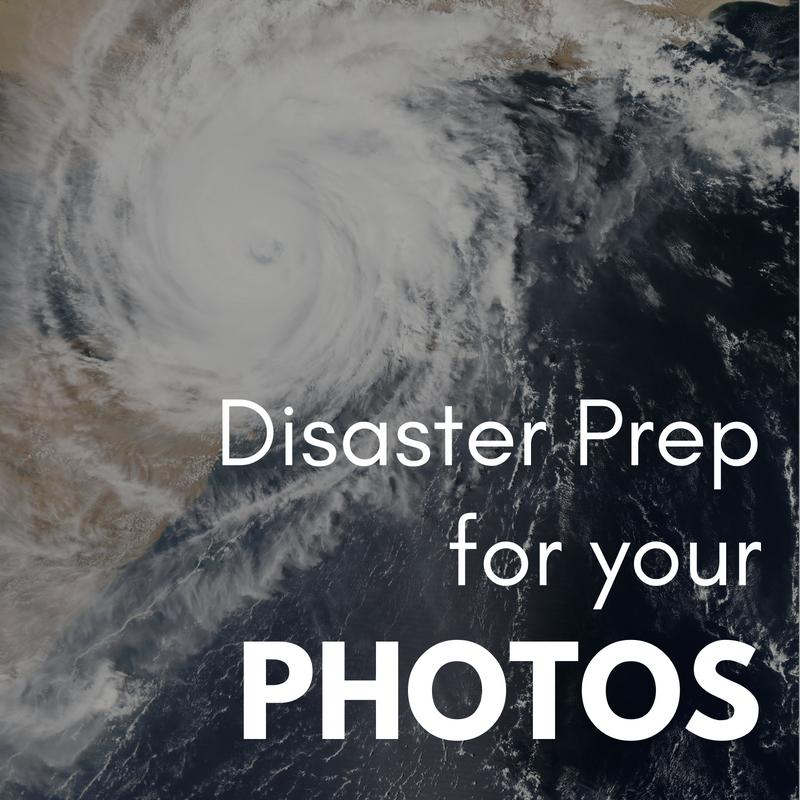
[(374, 438), (541, 655)]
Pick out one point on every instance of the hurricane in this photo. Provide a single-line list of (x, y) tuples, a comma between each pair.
[(371, 211), (315, 190)]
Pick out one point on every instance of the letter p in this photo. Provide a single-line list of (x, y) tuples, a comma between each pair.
[(258, 693), (585, 435)]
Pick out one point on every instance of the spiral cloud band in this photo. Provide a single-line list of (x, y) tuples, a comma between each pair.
[(300, 227)]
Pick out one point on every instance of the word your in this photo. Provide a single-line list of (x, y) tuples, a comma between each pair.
[(488, 452), (720, 577), (541, 655)]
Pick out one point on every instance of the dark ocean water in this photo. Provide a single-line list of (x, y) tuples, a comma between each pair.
[(651, 276)]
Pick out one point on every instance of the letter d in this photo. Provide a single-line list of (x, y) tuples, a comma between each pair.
[(227, 459)]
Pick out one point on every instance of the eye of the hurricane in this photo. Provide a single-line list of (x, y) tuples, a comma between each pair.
[(265, 249)]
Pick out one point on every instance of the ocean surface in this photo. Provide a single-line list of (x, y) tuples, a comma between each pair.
[(366, 214)]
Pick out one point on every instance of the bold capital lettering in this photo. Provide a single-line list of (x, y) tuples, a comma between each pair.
[(258, 693), (383, 690)]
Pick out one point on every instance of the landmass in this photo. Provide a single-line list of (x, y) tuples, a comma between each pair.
[(89, 478)]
